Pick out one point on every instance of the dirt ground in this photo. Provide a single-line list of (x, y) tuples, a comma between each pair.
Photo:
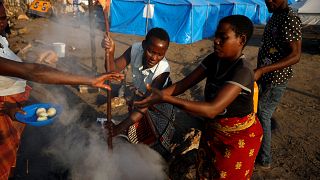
[(295, 140)]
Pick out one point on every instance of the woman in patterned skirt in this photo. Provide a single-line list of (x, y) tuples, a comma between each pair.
[(232, 135)]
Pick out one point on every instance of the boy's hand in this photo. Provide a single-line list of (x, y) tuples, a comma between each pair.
[(108, 43), (99, 81), (257, 74)]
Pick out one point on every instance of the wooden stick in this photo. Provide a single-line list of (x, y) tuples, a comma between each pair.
[(109, 122), (27, 169)]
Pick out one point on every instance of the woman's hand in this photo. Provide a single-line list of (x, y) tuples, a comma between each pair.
[(108, 43), (99, 81), (155, 97)]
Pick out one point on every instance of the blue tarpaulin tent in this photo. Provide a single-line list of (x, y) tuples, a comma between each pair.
[(186, 21)]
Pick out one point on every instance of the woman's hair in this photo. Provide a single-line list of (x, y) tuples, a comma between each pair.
[(158, 33), (242, 25)]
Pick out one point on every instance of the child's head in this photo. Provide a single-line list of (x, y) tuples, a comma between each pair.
[(232, 35), (276, 5), (155, 46)]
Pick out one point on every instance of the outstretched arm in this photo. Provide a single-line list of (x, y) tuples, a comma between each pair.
[(186, 83), (226, 95), (210, 109), (48, 75), (177, 88)]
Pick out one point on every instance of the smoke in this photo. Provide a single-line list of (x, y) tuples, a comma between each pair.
[(81, 147), (84, 151)]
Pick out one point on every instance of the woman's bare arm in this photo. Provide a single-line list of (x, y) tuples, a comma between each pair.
[(48, 75)]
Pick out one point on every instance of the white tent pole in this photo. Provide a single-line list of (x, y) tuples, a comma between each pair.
[(147, 18), (207, 15), (191, 21)]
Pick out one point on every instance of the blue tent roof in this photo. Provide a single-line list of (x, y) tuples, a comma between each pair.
[(186, 21), (172, 2)]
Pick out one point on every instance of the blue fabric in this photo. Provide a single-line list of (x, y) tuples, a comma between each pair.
[(269, 98), (186, 21), (291, 2)]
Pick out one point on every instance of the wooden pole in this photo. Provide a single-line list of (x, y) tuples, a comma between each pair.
[(109, 122)]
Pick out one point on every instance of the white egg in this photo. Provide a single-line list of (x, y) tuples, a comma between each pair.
[(41, 110), (51, 112), (42, 114), (42, 118)]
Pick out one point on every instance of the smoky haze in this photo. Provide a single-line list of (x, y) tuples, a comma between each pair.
[(81, 148), (85, 152)]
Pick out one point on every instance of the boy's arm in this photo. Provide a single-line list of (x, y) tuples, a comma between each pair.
[(291, 32), (121, 62), (289, 60)]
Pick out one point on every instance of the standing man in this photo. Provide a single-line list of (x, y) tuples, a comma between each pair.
[(281, 48)]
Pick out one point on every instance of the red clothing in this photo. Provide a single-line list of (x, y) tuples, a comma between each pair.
[(229, 147), (10, 134)]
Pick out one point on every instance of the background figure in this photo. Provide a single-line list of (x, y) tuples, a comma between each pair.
[(281, 48)]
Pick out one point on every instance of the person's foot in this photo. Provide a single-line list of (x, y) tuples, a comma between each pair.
[(263, 167), (274, 124)]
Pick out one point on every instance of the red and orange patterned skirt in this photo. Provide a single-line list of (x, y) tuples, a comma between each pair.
[(10, 134), (229, 147)]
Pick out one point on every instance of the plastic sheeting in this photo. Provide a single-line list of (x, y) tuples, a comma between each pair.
[(186, 21)]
